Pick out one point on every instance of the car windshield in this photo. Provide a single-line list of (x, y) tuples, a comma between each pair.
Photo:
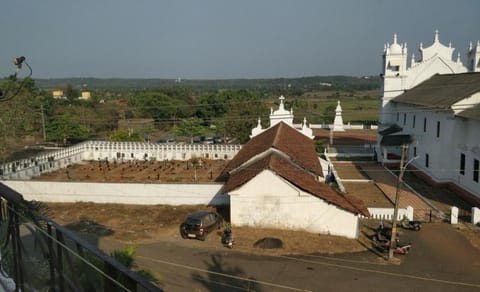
[(193, 221)]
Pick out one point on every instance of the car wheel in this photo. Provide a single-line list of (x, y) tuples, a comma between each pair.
[(202, 237), (182, 232)]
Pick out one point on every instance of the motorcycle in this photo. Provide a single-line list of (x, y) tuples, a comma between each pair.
[(411, 225), (227, 238), (383, 234)]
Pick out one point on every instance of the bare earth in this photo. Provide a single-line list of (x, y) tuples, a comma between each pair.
[(136, 224)]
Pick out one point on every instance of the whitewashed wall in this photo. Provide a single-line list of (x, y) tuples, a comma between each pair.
[(268, 201), (387, 213), (94, 150), (457, 136), (121, 193)]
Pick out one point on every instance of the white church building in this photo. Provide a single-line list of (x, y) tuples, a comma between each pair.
[(436, 99)]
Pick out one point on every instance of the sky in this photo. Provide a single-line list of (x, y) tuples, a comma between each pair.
[(223, 39)]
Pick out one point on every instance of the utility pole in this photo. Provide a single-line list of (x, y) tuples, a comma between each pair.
[(43, 124), (397, 201)]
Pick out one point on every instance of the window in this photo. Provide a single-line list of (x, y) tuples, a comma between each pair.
[(438, 129), (476, 170), (427, 160), (462, 164), (413, 123), (404, 119), (424, 124), (414, 151), (398, 116)]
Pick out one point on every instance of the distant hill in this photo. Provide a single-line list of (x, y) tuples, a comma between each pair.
[(301, 83)]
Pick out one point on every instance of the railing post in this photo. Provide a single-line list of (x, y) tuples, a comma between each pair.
[(61, 280), (16, 247), (51, 256)]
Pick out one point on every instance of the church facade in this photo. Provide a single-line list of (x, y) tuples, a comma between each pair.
[(437, 101)]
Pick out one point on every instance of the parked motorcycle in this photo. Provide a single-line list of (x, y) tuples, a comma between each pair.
[(411, 225), (383, 234), (227, 238)]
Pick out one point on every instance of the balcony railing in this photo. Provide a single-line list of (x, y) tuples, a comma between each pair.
[(38, 254)]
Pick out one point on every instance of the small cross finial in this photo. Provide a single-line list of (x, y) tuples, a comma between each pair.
[(394, 38)]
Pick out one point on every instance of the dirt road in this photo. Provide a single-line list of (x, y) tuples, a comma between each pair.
[(441, 259)]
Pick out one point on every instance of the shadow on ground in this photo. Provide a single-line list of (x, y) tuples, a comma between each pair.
[(216, 279)]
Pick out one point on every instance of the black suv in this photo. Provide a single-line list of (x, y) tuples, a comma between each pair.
[(199, 224)]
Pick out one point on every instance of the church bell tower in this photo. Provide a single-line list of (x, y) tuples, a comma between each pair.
[(394, 75), (473, 58)]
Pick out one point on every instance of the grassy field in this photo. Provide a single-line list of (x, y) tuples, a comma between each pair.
[(319, 106)]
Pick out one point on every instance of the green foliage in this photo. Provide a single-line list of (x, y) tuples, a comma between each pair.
[(122, 135), (71, 93), (65, 127), (320, 146), (126, 257), (329, 114), (162, 106), (191, 127)]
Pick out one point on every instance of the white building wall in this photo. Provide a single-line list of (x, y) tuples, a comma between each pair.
[(269, 201), (457, 135), (120, 193)]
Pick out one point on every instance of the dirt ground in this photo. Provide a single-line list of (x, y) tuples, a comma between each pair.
[(200, 170), (136, 224)]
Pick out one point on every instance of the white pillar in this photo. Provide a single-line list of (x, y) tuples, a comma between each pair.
[(475, 215), (454, 216), (410, 213)]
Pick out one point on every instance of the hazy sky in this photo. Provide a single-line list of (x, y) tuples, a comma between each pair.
[(222, 38)]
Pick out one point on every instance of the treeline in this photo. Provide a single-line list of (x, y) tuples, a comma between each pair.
[(299, 84), (176, 110)]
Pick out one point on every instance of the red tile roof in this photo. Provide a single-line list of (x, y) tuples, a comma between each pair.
[(296, 176), (284, 138)]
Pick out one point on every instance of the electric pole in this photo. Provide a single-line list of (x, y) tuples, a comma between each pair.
[(43, 124), (397, 202)]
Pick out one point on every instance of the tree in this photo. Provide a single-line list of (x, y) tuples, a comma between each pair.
[(71, 93), (190, 127), (122, 135), (243, 114), (65, 127), (329, 114)]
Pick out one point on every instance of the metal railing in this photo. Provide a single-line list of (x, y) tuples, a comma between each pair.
[(39, 254)]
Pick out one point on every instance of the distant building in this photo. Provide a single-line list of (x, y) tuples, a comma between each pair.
[(85, 95), (437, 100), (58, 94)]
